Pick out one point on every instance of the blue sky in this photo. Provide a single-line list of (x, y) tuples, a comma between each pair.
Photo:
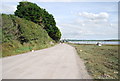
[(80, 20)]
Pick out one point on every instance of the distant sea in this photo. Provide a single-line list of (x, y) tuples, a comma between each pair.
[(95, 42)]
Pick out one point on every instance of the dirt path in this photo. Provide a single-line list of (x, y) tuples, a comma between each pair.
[(58, 62)]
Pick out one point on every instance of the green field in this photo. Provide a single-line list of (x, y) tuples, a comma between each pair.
[(101, 62)]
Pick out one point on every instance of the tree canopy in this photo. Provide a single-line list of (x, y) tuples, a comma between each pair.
[(34, 13)]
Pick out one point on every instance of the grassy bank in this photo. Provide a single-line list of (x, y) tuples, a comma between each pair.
[(15, 48), (101, 62), (20, 36)]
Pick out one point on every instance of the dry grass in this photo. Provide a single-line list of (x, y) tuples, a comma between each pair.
[(101, 62)]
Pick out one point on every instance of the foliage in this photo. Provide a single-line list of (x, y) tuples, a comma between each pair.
[(34, 13), (0, 34), (22, 34)]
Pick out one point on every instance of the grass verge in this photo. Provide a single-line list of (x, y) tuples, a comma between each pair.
[(101, 62), (15, 48)]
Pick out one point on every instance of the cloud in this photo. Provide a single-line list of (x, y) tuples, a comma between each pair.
[(8, 8), (87, 25), (92, 16), (88, 31)]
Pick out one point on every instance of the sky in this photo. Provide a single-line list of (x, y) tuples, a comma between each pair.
[(78, 19)]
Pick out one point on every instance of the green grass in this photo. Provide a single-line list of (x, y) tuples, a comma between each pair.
[(16, 48), (0, 42), (20, 36), (101, 62)]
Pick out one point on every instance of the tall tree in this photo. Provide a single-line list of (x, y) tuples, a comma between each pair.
[(34, 13)]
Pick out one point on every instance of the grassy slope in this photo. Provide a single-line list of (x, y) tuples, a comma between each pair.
[(0, 41), (0, 35), (101, 62), (14, 28)]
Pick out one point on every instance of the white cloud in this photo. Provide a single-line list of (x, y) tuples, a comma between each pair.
[(7, 8), (92, 16), (89, 25), (76, 31)]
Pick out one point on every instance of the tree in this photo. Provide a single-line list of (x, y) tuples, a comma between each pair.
[(34, 13)]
